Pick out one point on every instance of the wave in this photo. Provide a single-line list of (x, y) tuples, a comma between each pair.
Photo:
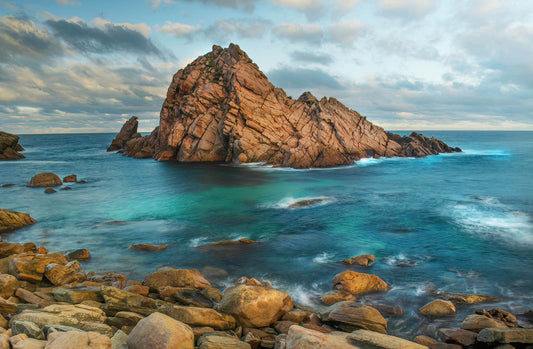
[(479, 152), (301, 203), (488, 218), (323, 258), (402, 260), (198, 241)]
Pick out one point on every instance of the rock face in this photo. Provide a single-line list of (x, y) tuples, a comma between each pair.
[(222, 108), (10, 147), (12, 220)]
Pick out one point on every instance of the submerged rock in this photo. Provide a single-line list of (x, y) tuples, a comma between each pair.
[(9, 147), (70, 178), (308, 202), (476, 323), (147, 247), (222, 108), (362, 260), (45, 179), (12, 220), (465, 298)]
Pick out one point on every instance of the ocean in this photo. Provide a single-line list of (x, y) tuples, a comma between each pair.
[(461, 222)]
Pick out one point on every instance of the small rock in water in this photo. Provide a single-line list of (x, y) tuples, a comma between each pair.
[(336, 296), (465, 298), (80, 254), (71, 178), (49, 191), (242, 241), (45, 179), (65, 188), (358, 283), (307, 202), (362, 260), (7, 185), (438, 307), (147, 247)]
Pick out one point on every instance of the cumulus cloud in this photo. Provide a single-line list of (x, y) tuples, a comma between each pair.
[(228, 29), (178, 29), (312, 57), (346, 33), (109, 37), (22, 39), (407, 9), (296, 32), (305, 79)]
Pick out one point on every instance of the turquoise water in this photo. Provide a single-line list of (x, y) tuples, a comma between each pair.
[(463, 220)]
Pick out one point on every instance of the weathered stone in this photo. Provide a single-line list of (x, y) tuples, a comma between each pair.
[(9, 147), (438, 307), (387, 310), (45, 179), (78, 340), (214, 294), (283, 326), (201, 317), (255, 306), (209, 341), (70, 178), (242, 241), (49, 329), (49, 191), (4, 341), (80, 254), (12, 220), (358, 283), (176, 278), (425, 340), (465, 298), (128, 132), (3, 322), (138, 289), (296, 315), (65, 188), (10, 249), (109, 278), (119, 340), (336, 296), (351, 316), (221, 107), (31, 267), (499, 314), (303, 338), (8, 285), (147, 247), (59, 274), (214, 274), (28, 343), (33, 298), (362, 260), (478, 322), (75, 295), (30, 247), (29, 328), (457, 336), (7, 307), (161, 331), (506, 335), (371, 339)]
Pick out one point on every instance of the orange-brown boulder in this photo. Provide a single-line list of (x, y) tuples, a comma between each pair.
[(358, 283)]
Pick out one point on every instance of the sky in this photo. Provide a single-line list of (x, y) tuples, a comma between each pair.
[(76, 66)]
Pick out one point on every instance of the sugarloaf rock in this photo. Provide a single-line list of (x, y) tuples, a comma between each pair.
[(222, 108)]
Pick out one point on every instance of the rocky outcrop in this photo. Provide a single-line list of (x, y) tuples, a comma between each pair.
[(45, 179), (222, 108), (10, 147), (12, 220)]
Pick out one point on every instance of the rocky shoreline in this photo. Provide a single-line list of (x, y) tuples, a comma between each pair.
[(47, 300), (10, 147)]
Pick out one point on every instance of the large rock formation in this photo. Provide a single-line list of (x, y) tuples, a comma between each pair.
[(222, 108), (10, 147)]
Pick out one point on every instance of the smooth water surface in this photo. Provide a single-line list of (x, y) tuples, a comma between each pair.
[(462, 221)]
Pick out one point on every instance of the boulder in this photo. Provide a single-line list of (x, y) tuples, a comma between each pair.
[(214, 341), (78, 340), (201, 317), (127, 133), (138, 289), (81, 254), (161, 332), (59, 274), (350, 316), (387, 310), (438, 307), (255, 306), (363, 260), (8, 285), (70, 179), (119, 340), (29, 328), (296, 315), (31, 267), (9, 147), (45, 179), (76, 295), (242, 241), (10, 248), (425, 340), (65, 188), (358, 283), (457, 336), (7, 307), (189, 296), (304, 338), (476, 323), (147, 247), (176, 278), (499, 314), (336, 296), (465, 298), (12, 220), (506, 335), (49, 191), (37, 298), (371, 339)]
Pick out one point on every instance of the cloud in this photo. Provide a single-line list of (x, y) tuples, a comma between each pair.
[(300, 78), (407, 9), (229, 29), (142, 28), (246, 5), (107, 38), (69, 2), (296, 32), (22, 39), (346, 33), (311, 8), (312, 57), (178, 29)]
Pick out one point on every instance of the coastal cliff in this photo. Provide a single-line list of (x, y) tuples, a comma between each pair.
[(222, 108), (10, 147)]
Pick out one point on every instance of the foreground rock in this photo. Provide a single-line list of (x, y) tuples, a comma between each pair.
[(176, 278), (300, 337), (78, 340), (255, 306), (477, 323), (350, 316), (358, 283), (438, 307), (9, 147), (222, 108), (12, 220), (161, 332), (45, 179), (506, 335), (370, 339), (128, 132)]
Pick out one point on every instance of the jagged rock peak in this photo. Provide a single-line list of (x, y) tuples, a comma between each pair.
[(222, 108)]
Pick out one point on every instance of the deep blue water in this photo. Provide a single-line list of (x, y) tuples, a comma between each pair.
[(464, 219)]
